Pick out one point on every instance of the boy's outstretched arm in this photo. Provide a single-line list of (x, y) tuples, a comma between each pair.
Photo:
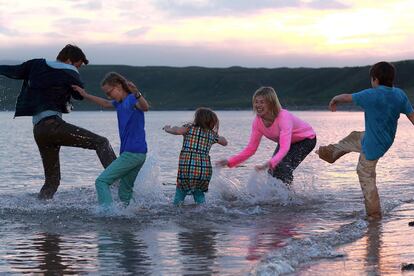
[(98, 100), (411, 117), (342, 98), (175, 130)]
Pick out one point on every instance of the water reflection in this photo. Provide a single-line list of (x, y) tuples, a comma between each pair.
[(198, 248), (367, 256), (122, 253), (50, 258), (43, 253), (373, 248), (268, 239)]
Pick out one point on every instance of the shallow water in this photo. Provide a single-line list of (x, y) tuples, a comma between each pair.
[(250, 224), (383, 250)]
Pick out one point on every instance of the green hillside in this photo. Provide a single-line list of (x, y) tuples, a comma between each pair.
[(227, 88)]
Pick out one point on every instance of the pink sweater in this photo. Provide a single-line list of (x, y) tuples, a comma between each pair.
[(286, 129)]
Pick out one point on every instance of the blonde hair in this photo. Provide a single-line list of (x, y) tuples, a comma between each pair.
[(113, 78), (270, 96), (206, 118)]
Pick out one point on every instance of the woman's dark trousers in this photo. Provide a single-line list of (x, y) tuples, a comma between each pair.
[(296, 154)]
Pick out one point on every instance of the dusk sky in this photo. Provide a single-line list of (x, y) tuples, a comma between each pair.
[(211, 33)]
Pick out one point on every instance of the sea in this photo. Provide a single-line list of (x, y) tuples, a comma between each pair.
[(251, 224)]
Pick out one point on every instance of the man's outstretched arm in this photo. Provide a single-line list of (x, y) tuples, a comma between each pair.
[(16, 71)]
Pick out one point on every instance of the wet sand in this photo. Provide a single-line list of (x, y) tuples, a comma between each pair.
[(387, 245)]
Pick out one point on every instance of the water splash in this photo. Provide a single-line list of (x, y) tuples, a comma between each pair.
[(260, 188), (257, 194), (148, 190)]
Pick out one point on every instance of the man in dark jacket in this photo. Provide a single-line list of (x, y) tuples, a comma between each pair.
[(45, 94)]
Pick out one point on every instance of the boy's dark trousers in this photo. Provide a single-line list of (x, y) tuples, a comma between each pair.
[(50, 134)]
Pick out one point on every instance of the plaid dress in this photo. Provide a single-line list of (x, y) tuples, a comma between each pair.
[(194, 166)]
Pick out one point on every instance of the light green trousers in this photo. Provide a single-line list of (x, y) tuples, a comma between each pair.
[(365, 169), (126, 168)]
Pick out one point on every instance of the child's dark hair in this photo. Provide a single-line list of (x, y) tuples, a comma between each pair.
[(113, 78), (73, 53), (384, 72), (206, 118)]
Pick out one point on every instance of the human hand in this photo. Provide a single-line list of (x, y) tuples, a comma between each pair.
[(222, 163), (262, 167), (80, 90), (332, 104), (132, 86), (166, 127)]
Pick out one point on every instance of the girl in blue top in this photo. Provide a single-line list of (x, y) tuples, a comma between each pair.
[(130, 106)]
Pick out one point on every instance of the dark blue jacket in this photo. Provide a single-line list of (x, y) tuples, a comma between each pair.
[(44, 87)]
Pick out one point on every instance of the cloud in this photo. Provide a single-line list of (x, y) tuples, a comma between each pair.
[(71, 22), (138, 31), (326, 5), (172, 55), (230, 7), (72, 28), (88, 5), (8, 32), (55, 35)]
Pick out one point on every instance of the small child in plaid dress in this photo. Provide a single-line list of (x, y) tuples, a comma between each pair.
[(194, 166)]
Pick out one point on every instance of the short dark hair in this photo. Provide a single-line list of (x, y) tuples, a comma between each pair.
[(384, 72), (73, 53)]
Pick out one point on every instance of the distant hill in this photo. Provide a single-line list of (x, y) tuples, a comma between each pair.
[(174, 88)]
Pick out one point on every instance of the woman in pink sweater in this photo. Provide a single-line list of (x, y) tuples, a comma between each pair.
[(295, 138)]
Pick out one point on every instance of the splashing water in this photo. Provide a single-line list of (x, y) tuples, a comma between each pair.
[(251, 222), (260, 188)]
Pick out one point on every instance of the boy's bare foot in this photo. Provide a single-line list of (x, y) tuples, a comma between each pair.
[(329, 153)]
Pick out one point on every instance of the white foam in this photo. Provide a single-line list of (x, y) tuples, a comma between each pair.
[(299, 251)]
